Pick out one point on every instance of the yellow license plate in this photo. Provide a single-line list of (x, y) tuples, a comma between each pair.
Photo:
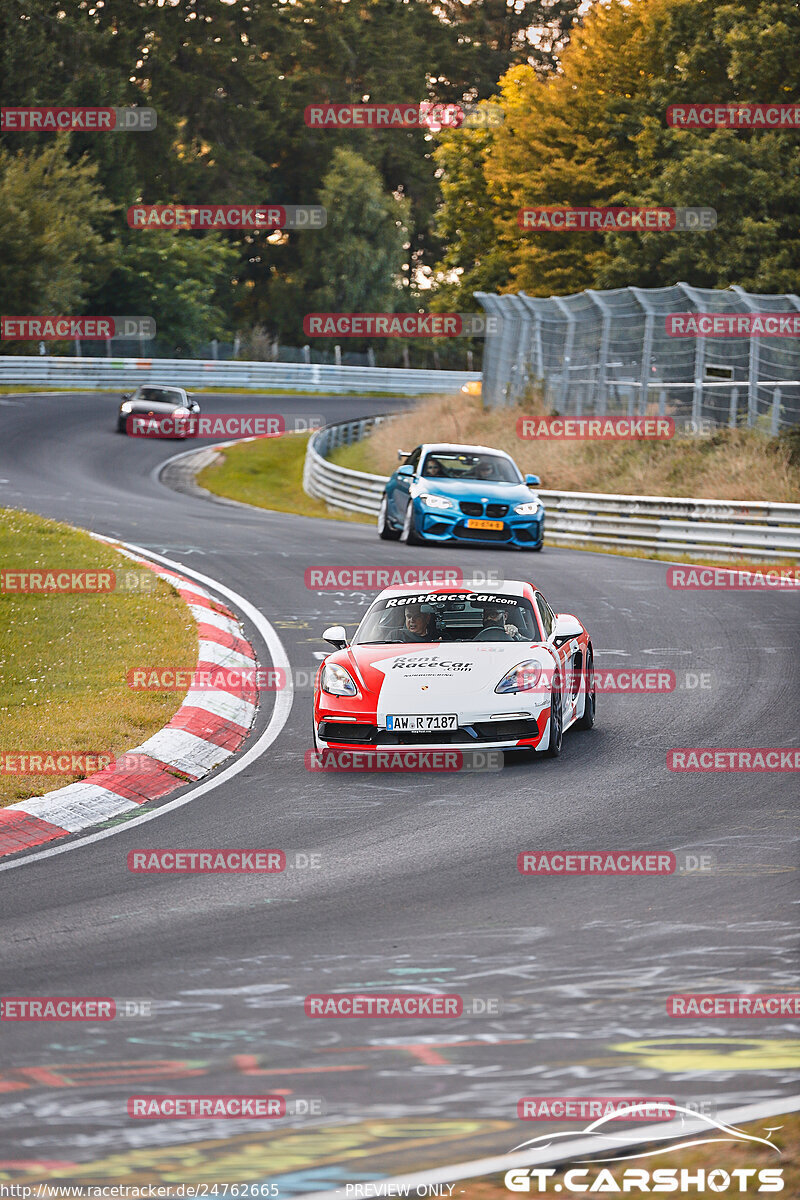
[(484, 524)]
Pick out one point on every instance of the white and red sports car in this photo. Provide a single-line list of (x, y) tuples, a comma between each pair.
[(493, 668)]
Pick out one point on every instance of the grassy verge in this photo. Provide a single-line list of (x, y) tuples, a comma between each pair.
[(65, 657), (729, 464), (727, 1157), (269, 474)]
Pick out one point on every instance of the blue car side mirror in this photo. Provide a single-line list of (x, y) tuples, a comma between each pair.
[(532, 480), (405, 470)]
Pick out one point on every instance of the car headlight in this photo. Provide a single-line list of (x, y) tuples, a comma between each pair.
[(126, 407), (437, 501), (181, 412), (521, 678), (529, 508), (337, 681)]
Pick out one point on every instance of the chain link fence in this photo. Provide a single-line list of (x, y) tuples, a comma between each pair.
[(600, 352)]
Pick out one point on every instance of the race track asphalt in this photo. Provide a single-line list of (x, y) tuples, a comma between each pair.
[(417, 886)]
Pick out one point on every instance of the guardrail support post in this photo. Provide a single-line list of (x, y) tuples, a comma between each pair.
[(775, 419), (734, 408)]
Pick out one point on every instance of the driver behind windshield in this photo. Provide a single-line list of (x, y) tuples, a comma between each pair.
[(495, 625), (485, 469), (418, 625), (433, 469)]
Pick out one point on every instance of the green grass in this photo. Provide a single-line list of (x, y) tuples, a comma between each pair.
[(269, 474), (356, 456), (64, 658)]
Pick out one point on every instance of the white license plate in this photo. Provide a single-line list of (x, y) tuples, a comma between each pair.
[(420, 723)]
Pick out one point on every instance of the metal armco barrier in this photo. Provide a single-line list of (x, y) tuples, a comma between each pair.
[(724, 529), (124, 374)]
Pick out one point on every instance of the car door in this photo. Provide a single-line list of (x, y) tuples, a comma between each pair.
[(569, 657), (398, 498)]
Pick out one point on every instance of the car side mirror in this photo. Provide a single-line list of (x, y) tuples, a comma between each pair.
[(565, 628), (335, 634), (405, 470), (532, 480), (127, 395), (402, 455)]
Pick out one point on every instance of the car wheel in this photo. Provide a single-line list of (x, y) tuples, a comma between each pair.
[(385, 530), (590, 703), (553, 748), (121, 427), (410, 534)]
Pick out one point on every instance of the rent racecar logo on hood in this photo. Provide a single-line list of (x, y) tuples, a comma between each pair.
[(427, 662)]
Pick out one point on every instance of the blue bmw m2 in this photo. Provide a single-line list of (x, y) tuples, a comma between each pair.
[(470, 494)]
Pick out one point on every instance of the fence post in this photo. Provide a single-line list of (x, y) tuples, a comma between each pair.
[(568, 345), (776, 412), (337, 355), (734, 408), (306, 353), (600, 393)]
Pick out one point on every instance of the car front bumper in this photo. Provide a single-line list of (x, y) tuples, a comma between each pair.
[(444, 525)]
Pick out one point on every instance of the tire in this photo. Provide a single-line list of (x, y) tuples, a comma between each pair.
[(409, 534), (121, 427), (385, 530), (553, 748), (590, 703)]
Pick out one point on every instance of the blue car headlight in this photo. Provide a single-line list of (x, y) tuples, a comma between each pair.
[(437, 501), (528, 509)]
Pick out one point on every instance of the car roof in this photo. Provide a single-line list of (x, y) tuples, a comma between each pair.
[(432, 447), (164, 387), (509, 587)]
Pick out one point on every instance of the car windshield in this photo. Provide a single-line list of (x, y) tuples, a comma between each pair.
[(154, 395), (486, 468), (448, 617)]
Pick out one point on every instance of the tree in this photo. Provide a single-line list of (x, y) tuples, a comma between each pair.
[(50, 248), (355, 263)]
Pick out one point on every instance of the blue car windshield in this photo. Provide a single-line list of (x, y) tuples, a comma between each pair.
[(449, 617), (475, 468)]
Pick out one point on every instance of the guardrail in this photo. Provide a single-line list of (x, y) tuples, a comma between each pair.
[(124, 374), (725, 529)]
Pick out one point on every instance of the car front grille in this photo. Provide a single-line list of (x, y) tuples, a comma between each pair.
[(496, 510), (350, 733), (482, 535), (471, 509)]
